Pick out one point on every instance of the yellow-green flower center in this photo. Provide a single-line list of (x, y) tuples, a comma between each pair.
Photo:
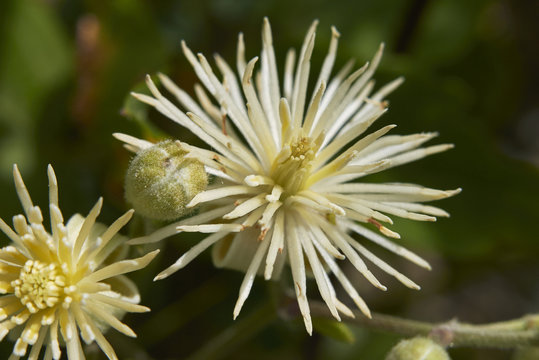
[(40, 285), (292, 166)]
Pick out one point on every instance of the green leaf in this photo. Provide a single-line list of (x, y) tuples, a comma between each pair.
[(334, 329), (36, 59), (138, 111)]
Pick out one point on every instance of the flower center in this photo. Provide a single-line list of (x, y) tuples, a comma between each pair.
[(40, 285), (292, 166)]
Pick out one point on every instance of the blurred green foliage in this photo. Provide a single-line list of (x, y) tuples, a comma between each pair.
[(67, 67)]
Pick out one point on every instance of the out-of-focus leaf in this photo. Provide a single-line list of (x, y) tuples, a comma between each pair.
[(334, 329), (138, 111), (36, 58)]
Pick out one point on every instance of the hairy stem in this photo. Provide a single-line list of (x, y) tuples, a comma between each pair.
[(508, 334)]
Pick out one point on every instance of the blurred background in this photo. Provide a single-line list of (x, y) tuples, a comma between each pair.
[(471, 69)]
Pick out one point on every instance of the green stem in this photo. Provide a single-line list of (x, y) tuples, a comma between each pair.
[(508, 334)]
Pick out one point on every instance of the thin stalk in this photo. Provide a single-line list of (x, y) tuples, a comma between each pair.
[(507, 334)]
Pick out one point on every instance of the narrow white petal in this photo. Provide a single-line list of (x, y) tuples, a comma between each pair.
[(250, 275), (258, 118), (191, 254), (341, 141), (344, 309), (101, 251), (184, 98), (335, 82), (137, 144), (96, 310), (53, 342), (168, 109), (228, 146), (119, 303), (351, 109), (240, 119), (318, 270), (312, 111), (257, 180), (420, 208), (302, 77), (121, 267), (419, 154), (221, 192), (387, 208), (87, 225), (269, 211), (347, 285), (241, 63), (295, 256), (350, 202), (317, 233), (382, 264), (271, 81), (348, 155), (389, 245), (105, 346), (22, 192), (327, 66), (253, 217), (247, 206), (277, 241), (337, 103), (289, 74), (232, 85), (197, 67), (211, 228), (351, 254), (171, 229), (323, 201), (12, 235), (53, 186), (36, 348), (85, 329)]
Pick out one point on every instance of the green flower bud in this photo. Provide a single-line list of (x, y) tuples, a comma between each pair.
[(418, 348), (160, 181)]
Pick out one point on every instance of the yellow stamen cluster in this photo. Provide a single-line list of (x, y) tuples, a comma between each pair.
[(292, 167), (40, 285)]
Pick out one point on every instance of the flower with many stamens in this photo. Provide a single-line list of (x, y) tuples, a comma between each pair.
[(290, 169), (58, 284)]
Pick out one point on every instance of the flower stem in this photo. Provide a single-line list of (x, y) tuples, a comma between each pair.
[(507, 334)]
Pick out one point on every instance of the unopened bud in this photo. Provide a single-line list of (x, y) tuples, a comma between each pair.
[(418, 348), (160, 181)]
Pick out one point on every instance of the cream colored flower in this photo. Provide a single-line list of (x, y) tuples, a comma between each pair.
[(289, 166), (57, 285)]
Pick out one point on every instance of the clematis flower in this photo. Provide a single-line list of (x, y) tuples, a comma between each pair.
[(290, 168), (58, 284)]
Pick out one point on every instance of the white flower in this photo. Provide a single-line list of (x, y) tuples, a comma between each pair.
[(288, 166), (57, 285)]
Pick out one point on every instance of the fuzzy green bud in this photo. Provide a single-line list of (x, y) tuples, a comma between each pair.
[(418, 348), (160, 181)]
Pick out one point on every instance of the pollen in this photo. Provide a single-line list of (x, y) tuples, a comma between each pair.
[(40, 285)]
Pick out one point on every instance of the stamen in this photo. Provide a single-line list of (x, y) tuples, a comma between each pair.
[(40, 285), (292, 166)]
